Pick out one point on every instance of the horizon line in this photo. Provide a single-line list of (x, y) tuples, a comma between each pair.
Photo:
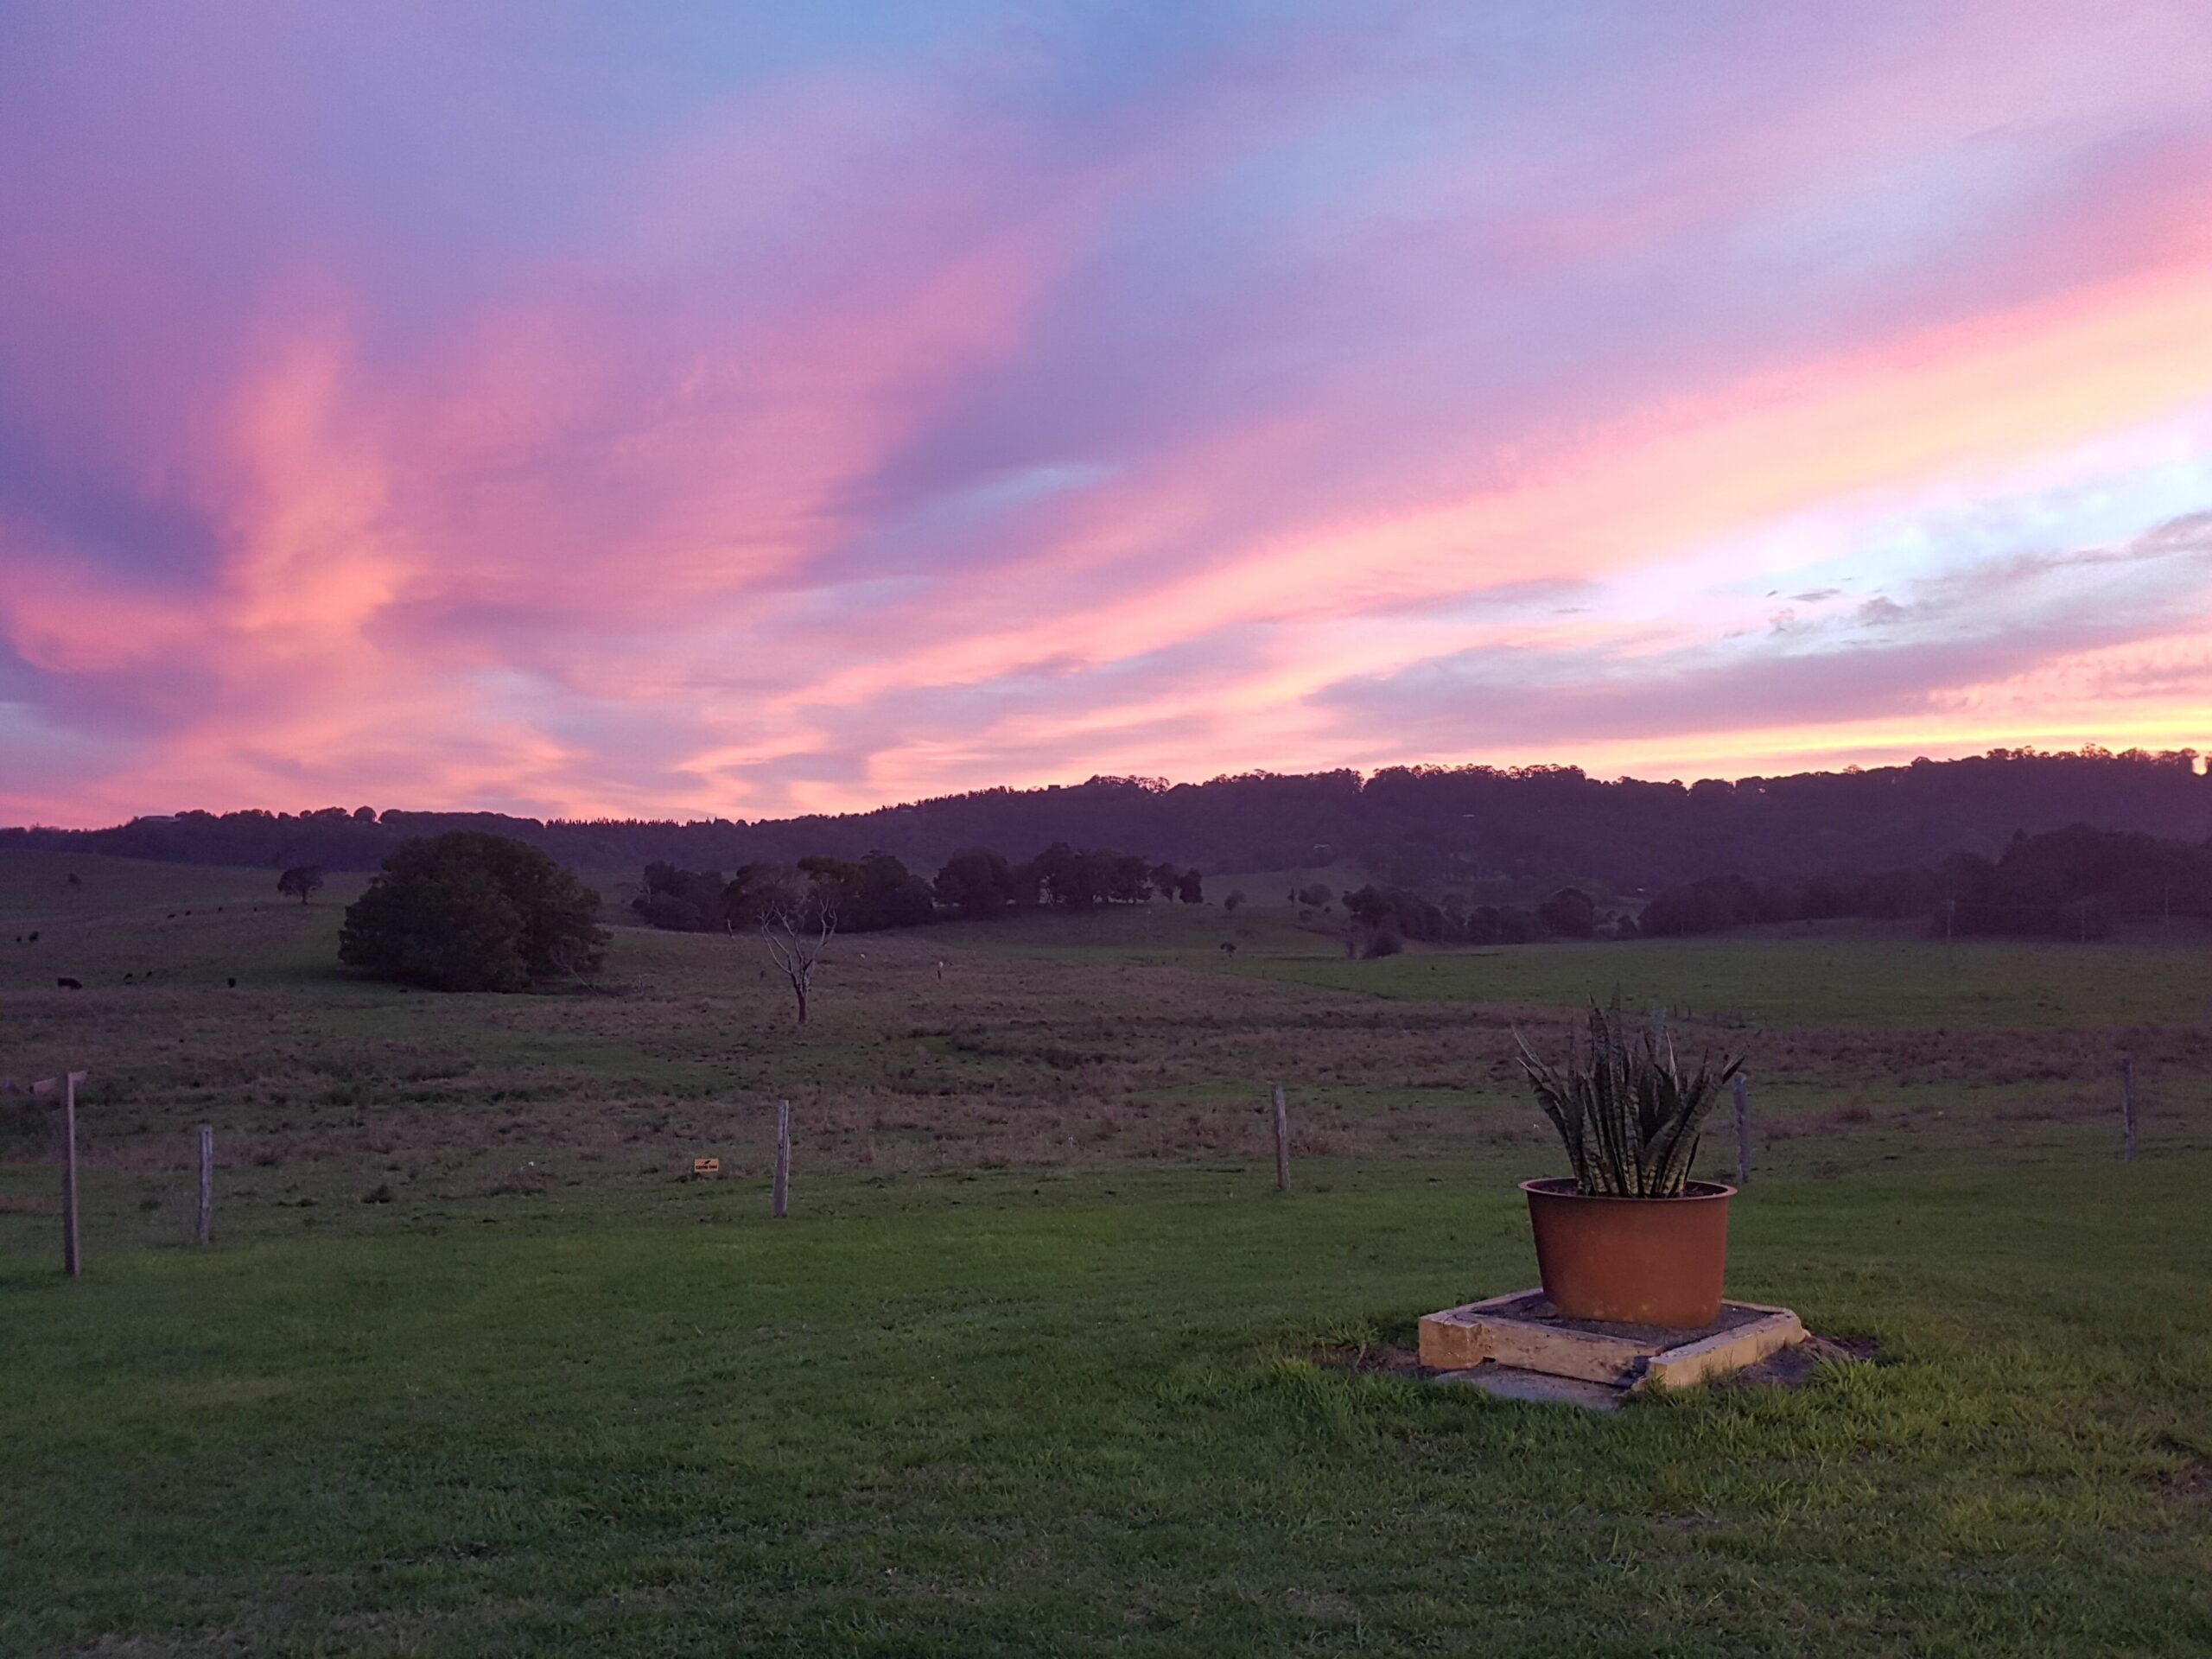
[(2196, 759)]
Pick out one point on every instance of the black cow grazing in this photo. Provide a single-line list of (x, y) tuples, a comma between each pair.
[(68, 984), (233, 983), (34, 936), (1228, 948)]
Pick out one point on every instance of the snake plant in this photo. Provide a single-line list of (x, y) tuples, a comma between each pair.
[(1628, 1116)]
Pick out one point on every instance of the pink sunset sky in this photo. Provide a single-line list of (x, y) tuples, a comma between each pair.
[(719, 409)]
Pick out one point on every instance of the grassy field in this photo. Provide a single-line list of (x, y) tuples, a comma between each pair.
[(1040, 1363)]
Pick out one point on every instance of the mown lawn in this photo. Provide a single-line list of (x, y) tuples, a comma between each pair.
[(1002, 1416)]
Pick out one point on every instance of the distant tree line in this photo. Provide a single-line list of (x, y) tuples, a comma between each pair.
[(878, 891), (1411, 827), (2068, 883), (467, 910)]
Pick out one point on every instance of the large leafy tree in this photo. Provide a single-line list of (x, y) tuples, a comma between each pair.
[(690, 901), (468, 911), (301, 881), (1570, 914), (1070, 880), (978, 883), (876, 892)]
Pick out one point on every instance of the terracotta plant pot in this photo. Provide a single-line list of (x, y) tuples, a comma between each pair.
[(1632, 1260)]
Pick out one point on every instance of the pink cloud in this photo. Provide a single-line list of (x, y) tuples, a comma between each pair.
[(856, 429)]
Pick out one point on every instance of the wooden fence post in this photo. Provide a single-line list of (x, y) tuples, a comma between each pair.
[(71, 1261), (206, 1181), (1282, 1142), (780, 1204), (2127, 1107), (1743, 1130)]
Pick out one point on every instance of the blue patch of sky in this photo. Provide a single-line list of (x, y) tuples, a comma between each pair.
[(2106, 509), (117, 524), (1897, 212), (962, 523), (27, 735)]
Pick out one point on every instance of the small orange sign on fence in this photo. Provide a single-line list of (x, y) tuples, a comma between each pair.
[(706, 1166)]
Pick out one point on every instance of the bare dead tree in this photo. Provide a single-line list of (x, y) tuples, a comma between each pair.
[(797, 919)]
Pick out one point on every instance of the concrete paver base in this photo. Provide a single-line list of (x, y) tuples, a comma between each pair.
[(1511, 1383), (1497, 1344)]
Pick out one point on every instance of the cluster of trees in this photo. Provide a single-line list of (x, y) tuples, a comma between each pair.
[(1719, 903), (979, 884), (687, 902), (878, 891), (866, 895), (1392, 914), (1412, 826), (1069, 879), (2068, 883), (2076, 882), (467, 911), (874, 891)]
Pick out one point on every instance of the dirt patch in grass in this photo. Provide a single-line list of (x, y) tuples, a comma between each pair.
[(1378, 1359), (1788, 1368), (2194, 1481), (529, 1181), (1793, 1367)]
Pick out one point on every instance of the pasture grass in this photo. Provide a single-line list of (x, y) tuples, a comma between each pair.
[(1886, 975), (1037, 1365)]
